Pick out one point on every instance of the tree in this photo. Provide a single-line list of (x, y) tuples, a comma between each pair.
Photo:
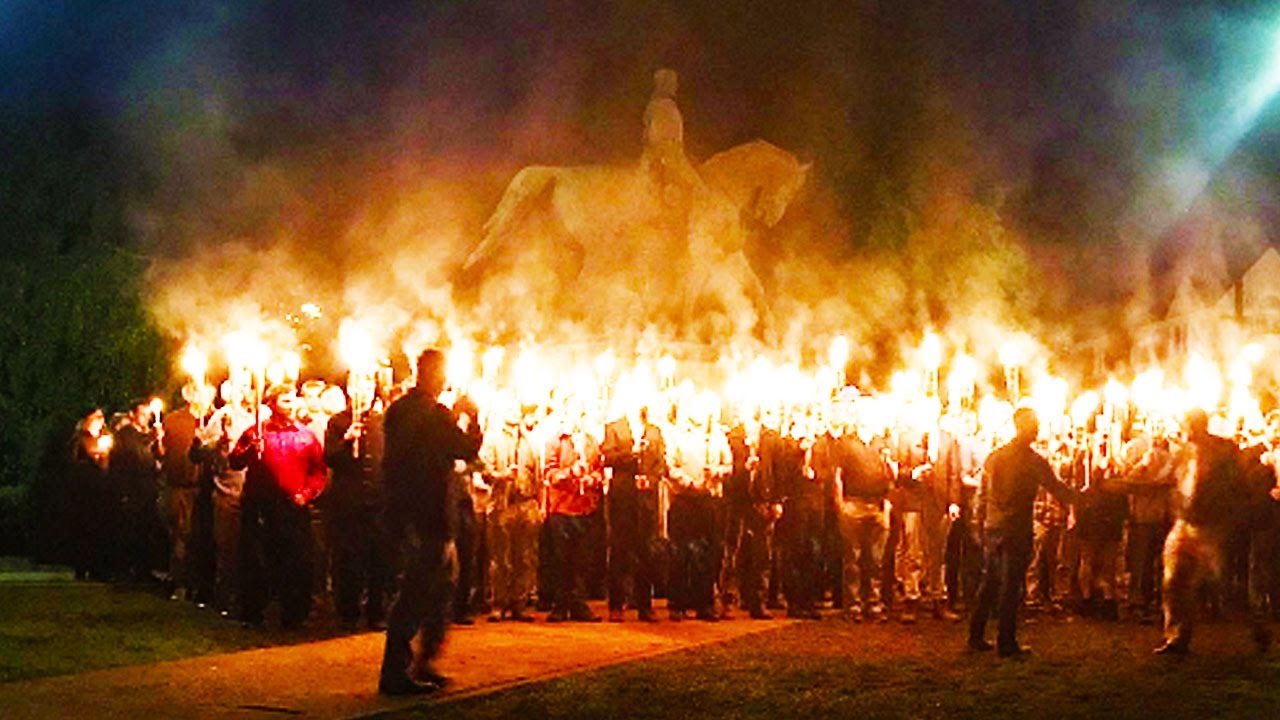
[(75, 333)]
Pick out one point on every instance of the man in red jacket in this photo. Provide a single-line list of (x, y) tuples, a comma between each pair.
[(285, 472), (573, 471)]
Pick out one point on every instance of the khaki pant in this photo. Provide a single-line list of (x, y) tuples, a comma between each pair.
[(864, 529), (1099, 560), (226, 538), (935, 527), (1192, 557), (513, 553), (181, 505)]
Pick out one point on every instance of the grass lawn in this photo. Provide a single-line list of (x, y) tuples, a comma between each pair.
[(832, 668), (61, 628)]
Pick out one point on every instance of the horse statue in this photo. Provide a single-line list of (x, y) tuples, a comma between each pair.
[(657, 243)]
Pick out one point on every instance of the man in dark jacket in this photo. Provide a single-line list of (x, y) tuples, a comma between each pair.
[(133, 475), (865, 480), (1011, 478), (181, 478), (353, 509), (423, 439), (635, 452)]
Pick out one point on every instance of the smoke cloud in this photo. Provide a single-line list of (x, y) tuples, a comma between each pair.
[(995, 178)]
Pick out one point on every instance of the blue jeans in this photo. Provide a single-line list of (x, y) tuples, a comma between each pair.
[(1006, 557), (426, 593)]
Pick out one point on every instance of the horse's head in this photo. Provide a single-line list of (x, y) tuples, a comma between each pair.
[(760, 178)]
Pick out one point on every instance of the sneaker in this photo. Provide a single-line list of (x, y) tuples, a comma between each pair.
[(980, 645), (429, 675), (1262, 639), (908, 616), (1174, 647), (942, 612), (407, 686)]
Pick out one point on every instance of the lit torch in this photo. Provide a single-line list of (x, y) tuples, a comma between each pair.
[(1011, 359), (838, 357), (961, 380), (357, 351), (247, 354), (195, 364), (931, 356)]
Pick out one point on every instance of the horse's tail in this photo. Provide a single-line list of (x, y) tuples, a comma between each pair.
[(523, 193)]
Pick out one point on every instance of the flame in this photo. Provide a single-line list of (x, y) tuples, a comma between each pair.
[(244, 351), (194, 363), (491, 362), (1084, 408), (291, 361), (356, 348), (962, 378), (838, 353), (1115, 393), (1203, 380), (461, 364), (931, 351)]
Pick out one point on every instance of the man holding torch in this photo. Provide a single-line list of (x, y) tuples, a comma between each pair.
[(513, 469), (353, 510), (284, 472), (423, 441), (635, 453), (133, 473), (180, 480)]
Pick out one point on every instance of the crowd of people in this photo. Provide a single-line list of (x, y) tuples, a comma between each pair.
[(527, 509)]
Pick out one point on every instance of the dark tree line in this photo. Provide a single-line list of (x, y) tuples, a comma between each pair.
[(74, 332)]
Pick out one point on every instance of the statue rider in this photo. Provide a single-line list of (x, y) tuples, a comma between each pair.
[(663, 158)]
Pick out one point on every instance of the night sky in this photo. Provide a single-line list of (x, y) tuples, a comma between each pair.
[(1095, 123)]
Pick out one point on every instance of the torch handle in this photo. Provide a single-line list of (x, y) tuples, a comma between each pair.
[(257, 410)]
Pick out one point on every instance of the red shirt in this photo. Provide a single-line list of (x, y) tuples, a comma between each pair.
[(292, 463), (569, 493)]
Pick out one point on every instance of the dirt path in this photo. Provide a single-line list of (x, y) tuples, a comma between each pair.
[(337, 678)]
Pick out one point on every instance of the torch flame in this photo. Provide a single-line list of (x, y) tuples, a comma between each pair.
[(356, 348), (194, 363), (931, 351)]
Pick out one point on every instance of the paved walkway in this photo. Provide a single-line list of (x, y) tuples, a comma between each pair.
[(338, 678)]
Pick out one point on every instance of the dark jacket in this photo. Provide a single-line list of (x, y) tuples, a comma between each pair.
[(179, 433), (620, 454), (1010, 479), (864, 473), (422, 441), (356, 480), (132, 470)]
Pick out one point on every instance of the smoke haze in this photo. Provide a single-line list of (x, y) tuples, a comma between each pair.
[(987, 168)]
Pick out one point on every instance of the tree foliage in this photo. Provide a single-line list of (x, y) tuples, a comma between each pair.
[(75, 333)]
